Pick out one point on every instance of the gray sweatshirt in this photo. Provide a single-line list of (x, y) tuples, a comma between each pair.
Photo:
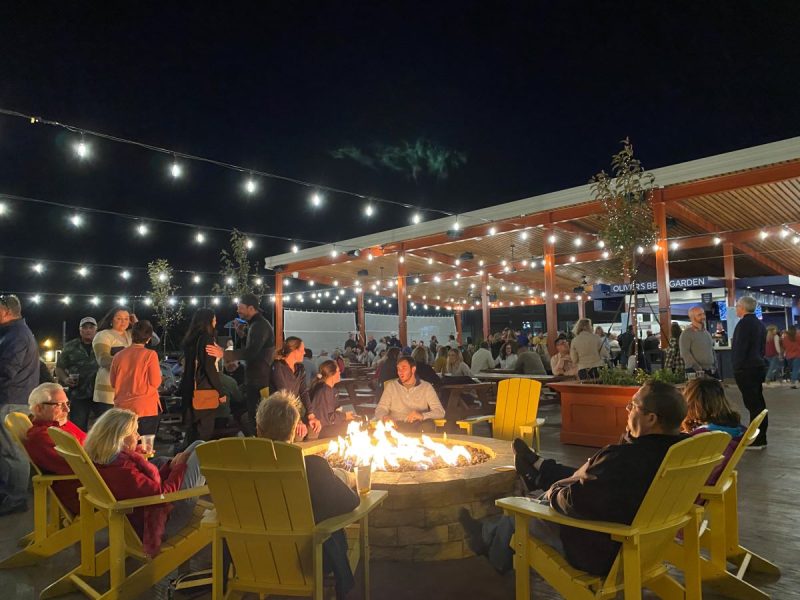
[(697, 349)]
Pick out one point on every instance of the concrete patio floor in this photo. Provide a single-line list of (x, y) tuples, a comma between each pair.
[(768, 509)]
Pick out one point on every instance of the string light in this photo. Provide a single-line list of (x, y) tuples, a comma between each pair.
[(95, 300), (640, 249), (601, 244), (125, 274), (674, 245), (655, 247), (38, 268), (249, 244), (316, 199), (142, 229), (717, 240), (200, 238), (334, 253), (36, 298), (3, 209), (784, 233), (66, 299), (295, 249), (763, 235), (523, 235), (258, 281), (82, 149), (415, 219), (552, 239), (456, 225), (193, 301), (572, 259), (197, 279), (171, 301), (250, 186), (83, 271), (368, 210), (148, 301), (605, 254), (162, 277), (229, 281), (175, 170), (76, 220), (123, 301), (430, 261), (578, 242), (492, 230)]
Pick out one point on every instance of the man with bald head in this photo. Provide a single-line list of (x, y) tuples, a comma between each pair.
[(697, 345)]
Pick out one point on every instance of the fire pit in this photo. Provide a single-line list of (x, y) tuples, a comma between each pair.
[(419, 520)]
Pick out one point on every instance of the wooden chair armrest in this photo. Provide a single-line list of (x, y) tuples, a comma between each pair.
[(439, 422), (210, 518), (467, 424), (129, 505), (51, 478), (369, 502), (528, 427)]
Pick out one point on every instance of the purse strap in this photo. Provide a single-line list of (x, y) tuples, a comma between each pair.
[(196, 362)]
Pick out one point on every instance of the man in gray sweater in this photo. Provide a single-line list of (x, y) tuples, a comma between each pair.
[(697, 345)]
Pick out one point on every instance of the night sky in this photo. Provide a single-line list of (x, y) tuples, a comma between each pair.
[(519, 98)]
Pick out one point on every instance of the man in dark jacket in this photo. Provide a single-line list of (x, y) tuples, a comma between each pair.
[(749, 367), (610, 486), (19, 374), (257, 353)]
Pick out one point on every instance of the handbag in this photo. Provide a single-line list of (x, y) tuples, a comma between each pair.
[(202, 399)]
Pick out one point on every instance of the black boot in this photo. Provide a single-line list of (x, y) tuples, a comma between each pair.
[(474, 532)]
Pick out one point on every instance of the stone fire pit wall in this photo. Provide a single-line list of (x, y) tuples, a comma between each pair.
[(419, 519)]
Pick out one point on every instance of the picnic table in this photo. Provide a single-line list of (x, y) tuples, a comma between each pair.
[(351, 385), (495, 376), (455, 390)]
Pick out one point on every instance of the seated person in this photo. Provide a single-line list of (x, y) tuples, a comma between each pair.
[(529, 362), (50, 408), (707, 409), (325, 402), (408, 401), (507, 358), (111, 445), (610, 486), (562, 362), (276, 419), (424, 371)]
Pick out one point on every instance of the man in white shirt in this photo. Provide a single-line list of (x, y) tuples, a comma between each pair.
[(482, 359), (410, 402)]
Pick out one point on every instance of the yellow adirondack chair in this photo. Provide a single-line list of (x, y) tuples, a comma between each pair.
[(263, 513), (54, 527), (667, 507), (515, 412), (721, 538), (123, 542)]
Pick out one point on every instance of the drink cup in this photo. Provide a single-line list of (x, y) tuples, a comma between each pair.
[(148, 441), (74, 378), (363, 479)]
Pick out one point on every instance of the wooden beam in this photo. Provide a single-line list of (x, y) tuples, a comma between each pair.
[(458, 327), (278, 310), (724, 183), (402, 299), (485, 306), (662, 268), (730, 274), (551, 306), (362, 322)]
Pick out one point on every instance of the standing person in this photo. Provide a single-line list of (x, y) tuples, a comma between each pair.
[(288, 375), (257, 354), (113, 335), (325, 401), (791, 345), (773, 352), (586, 350), (200, 372), (310, 367), (455, 365), (434, 345), (598, 331), (371, 344), (19, 375), (672, 357), (351, 341), (76, 369), (507, 358), (697, 345), (625, 345), (749, 368), (135, 376)]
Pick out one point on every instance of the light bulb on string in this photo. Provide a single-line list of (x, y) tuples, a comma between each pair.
[(125, 274), (295, 249), (162, 277), (784, 233), (717, 240), (82, 149), (197, 279), (416, 218), (38, 268), (175, 169), (250, 186), (66, 299), (193, 301), (148, 301), (369, 210), (142, 229), (215, 301), (249, 244), (552, 239), (172, 301), (229, 281), (258, 281), (36, 298), (316, 199), (200, 237), (95, 300), (76, 220), (122, 301), (3, 209), (236, 300)]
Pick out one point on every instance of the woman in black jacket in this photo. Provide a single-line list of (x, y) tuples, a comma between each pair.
[(201, 368), (325, 401), (288, 374)]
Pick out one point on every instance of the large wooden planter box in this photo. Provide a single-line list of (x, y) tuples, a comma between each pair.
[(592, 414)]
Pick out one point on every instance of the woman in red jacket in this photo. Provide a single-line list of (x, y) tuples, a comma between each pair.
[(111, 445)]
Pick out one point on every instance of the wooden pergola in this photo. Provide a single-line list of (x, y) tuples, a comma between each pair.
[(735, 214)]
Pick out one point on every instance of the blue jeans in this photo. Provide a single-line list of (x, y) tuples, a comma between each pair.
[(795, 364), (775, 368), (497, 535), (14, 466), (182, 510)]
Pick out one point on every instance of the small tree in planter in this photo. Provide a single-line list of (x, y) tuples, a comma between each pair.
[(628, 223), (239, 274), (166, 308)]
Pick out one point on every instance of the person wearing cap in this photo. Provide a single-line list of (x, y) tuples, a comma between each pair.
[(257, 353), (76, 369)]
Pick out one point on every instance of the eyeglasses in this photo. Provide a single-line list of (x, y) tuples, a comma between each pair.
[(631, 405), (61, 404)]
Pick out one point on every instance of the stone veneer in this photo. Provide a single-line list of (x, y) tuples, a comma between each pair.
[(419, 519)]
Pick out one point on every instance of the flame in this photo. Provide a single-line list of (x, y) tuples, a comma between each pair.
[(386, 447)]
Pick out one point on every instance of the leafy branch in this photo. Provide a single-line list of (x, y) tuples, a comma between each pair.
[(239, 274), (166, 308)]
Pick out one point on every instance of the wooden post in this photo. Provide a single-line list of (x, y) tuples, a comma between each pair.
[(485, 306), (362, 323), (458, 327), (730, 273), (278, 310), (581, 308), (662, 267), (402, 299), (550, 304)]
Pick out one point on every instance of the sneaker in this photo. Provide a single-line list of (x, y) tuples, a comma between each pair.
[(522, 450), (474, 533), (757, 446)]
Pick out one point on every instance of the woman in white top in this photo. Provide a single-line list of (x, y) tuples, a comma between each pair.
[(587, 350), (112, 336), (455, 364), (507, 358)]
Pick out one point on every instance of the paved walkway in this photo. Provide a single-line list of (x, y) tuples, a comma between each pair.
[(768, 508)]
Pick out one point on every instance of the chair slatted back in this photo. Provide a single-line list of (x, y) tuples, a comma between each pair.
[(672, 494), (517, 404), (18, 425), (748, 438), (260, 491)]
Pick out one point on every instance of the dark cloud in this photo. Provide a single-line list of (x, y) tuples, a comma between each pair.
[(421, 157)]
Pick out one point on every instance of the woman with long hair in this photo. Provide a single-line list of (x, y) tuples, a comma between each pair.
[(707, 409), (113, 335), (672, 357), (586, 350), (200, 371), (791, 348), (289, 375), (424, 371), (455, 365), (507, 358), (388, 368), (773, 352), (111, 444), (325, 401), (441, 359)]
